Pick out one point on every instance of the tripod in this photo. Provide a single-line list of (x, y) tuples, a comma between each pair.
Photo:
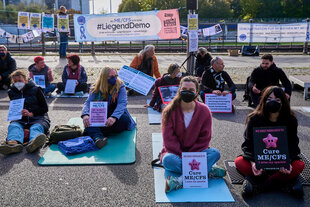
[(189, 70)]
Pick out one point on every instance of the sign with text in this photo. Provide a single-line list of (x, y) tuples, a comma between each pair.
[(15, 109), (195, 170), (47, 22), (136, 80), (35, 21), (147, 25), (63, 23), (219, 104), (23, 20), (271, 148), (98, 113), (39, 80), (192, 22), (70, 86), (209, 31), (193, 41), (167, 93)]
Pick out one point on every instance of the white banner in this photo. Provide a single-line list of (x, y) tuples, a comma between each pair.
[(209, 31), (272, 32)]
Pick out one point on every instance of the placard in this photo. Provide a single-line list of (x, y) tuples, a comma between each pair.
[(23, 20), (98, 113), (193, 41), (35, 21), (271, 148), (39, 80), (15, 109), (48, 22), (209, 31), (219, 104), (63, 23), (28, 36), (167, 93), (192, 21), (70, 86), (136, 80), (195, 170)]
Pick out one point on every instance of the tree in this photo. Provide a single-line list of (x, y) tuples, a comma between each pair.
[(236, 8), (129, 5), (214, 9), (265, 10), (250, 8), (293, 8)]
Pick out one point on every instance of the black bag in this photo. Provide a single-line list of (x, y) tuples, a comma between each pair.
[(156, 162), (247, 90), (64, 132)]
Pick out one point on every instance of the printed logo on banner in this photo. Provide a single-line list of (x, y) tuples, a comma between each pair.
[(81, 21), (242, 37)]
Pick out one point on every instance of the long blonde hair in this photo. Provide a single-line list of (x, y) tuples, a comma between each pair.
[(101, 84), (176, 101)]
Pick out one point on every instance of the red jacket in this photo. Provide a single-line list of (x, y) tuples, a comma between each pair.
[(136, 62), (195, 138)]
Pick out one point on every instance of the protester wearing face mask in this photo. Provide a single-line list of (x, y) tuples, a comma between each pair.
[(272, 110), (34, 116), (186, 127), (173, 77), (108, 87), (7, 66)]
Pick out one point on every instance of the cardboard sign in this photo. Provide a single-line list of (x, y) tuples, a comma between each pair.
[(167, 93), (219, 104), (15, 109), (195, 170), (271, 148), (39, 80), (70, 86), (98, 113)]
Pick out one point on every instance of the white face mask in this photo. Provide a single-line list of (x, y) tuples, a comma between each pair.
[(179, 75), (19, 85)]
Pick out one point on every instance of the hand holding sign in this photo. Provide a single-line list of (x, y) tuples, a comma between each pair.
[(255, 171)]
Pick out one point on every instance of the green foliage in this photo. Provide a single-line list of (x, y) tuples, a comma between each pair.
[(129, 5)]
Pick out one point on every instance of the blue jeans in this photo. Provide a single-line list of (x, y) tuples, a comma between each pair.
[(16, 132), (49, 88), (63, 44), (202, 96), (173, 163)]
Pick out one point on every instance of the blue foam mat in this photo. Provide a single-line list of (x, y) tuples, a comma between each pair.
[(217, 191), (153, 115)]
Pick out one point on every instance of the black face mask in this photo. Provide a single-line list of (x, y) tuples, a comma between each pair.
[(188, 96), (273, 106)]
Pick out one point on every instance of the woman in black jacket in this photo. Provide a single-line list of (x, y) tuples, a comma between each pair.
[(273, 110), (34, 116), (203, 61)]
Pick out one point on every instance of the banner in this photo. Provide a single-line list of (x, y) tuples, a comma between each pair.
[(63, 23), (48, 22), (35, 21), (23, 20), (128, 26), (209, 31), (296, 32), (28, 36)]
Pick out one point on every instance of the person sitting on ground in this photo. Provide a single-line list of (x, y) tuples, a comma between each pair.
[(108, 87), (213, 80), (7, 66), (173, 77), (146, 62), (203, 61), (74, 71), (34, 116), (39, 68), (273, 110), (267, 74), (185, 130)]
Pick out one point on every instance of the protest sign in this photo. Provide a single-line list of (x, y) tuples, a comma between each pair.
[(15, 109), (28, 36), (194, 170), (35, 21), (48, 22), (271, 148), (23, 20), (136, 80), (193, 41), (167, 93), (63, 23), (147, 25), (98, 113), (39, 80), (192, 22), (212, 30), (219, 104), (70, 86)]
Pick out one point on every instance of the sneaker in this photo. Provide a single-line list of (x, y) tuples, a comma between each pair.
[(101, 142), (297, 189), (247, 189), (35, 144), (172, 183), (7, 149), (217, 171)]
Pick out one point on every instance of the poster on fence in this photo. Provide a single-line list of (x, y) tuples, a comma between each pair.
[(209, 31), (136, 80), (193, 41), (128, 26), (63, 23), (48, 22), (192, 21), (219, 104), (23, 20), (296, 32), (35, 21), (28, 36), (98, 113)]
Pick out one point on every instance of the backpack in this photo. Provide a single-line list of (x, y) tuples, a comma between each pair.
[(77, 145), (64, 132), (247, 90)]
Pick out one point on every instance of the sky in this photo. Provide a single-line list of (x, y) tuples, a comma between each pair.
[(104, 5)]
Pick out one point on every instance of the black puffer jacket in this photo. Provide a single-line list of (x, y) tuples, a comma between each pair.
[(34, 102), (202, 64)]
